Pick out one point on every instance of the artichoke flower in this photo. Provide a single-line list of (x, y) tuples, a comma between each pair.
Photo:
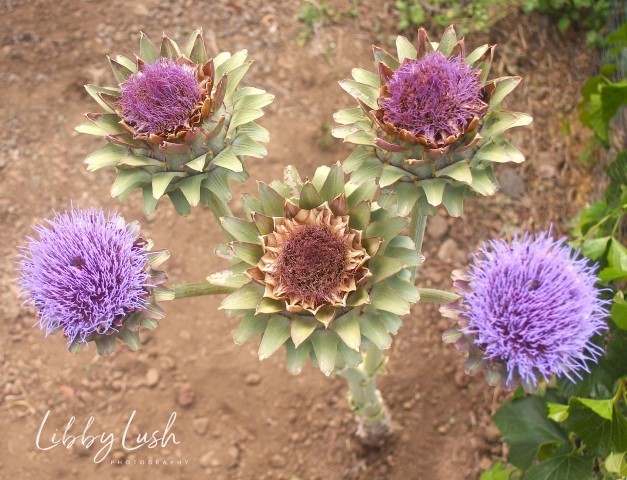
[(528, 309), (177, 124), (93, 277), (319, 267), (429, 123)]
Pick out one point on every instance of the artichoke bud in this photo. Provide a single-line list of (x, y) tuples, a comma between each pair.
[(177, 124), (318, 267), (429, 123)]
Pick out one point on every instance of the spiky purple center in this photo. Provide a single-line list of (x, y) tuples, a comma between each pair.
[(312, 263), (160, 97), (84, 273), (534, 307), (434, 97)]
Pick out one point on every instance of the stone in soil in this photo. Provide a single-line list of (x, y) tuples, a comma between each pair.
[(185, 395), (436, 227), (200, 425), (152, 377), (512, 183)]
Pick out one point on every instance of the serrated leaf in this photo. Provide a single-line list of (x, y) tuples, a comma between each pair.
[(564, 466), (525, 427), (277, 332), (599, 434)]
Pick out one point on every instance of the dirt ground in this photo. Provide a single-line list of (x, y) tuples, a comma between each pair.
[(249, 419)]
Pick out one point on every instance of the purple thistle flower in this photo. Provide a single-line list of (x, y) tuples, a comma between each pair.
[(434, 97), (528, 310), (85, 273), (160, 97)]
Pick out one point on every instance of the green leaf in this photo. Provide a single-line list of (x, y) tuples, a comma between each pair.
[(483, 181), (364, 192), (250, 326), (595, 247), (272, 203), (405, 49), (616, 463), (180, 203), (386, 228), (248, 252), (350, 357), (235, 61), (557, 412), (277, 332), (246, 298), (525, 427), (325, 347), (252, 102), (349, 116), (383, 267), (497, 123), (564, 466), (301, 328), (600, 435), (618, 311), (603, 408), (241, 229), (94, 90), (477, 54), (240, 117), (498, 472), (347, 327)]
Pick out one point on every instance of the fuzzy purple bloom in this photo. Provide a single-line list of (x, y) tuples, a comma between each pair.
[(532, 306), (85, 273), (435, 97), (160, 97)]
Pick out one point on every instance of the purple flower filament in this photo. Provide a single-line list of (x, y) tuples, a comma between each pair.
[(534, 307), (433, 95), (160, 97), (85, 273)]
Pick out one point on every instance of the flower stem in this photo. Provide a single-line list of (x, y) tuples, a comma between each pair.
[(186, 290), (373, 419), (417, 225)]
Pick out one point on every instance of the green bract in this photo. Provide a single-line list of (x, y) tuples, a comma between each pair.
[(366, 305), (193, 163), (411, 169)]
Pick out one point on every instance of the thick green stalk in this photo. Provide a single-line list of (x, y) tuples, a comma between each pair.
[(373, 419), (417, 227), (186, 290)]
